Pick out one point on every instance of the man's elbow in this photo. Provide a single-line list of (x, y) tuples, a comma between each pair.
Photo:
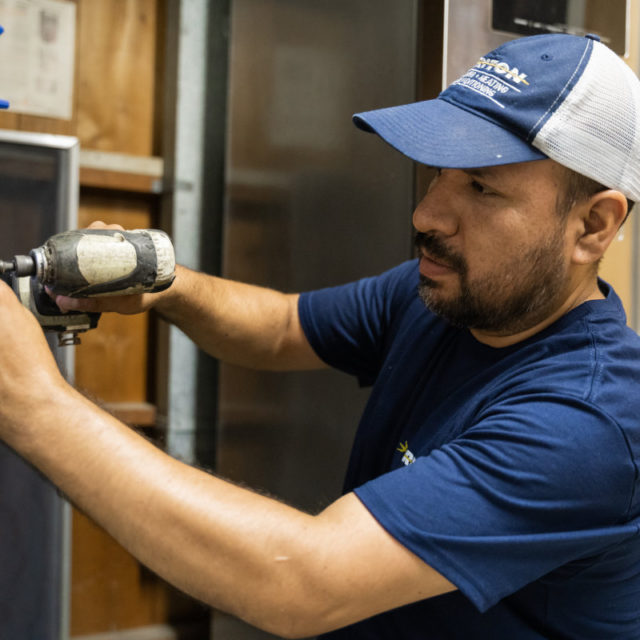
[(296, 613), (298, 624)]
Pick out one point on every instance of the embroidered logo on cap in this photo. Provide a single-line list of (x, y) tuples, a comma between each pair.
[(492, 79), (503, 69)]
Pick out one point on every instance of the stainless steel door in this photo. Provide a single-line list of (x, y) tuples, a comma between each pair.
[(310, 202)]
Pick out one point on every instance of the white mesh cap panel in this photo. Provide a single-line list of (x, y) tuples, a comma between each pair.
[(596, 130)]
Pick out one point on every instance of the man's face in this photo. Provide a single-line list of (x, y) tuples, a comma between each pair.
[(493, 248)]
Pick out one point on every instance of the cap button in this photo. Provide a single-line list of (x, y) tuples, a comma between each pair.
[(593, 36)]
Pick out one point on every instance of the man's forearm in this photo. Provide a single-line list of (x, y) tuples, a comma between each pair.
[(235, 322), (238, 323)]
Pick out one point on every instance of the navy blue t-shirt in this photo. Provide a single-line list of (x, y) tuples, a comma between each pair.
[(513, 472)]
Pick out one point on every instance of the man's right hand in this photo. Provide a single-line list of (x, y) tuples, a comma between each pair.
[(129, 304)]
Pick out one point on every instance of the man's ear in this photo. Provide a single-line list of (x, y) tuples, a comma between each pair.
[(599, 219)]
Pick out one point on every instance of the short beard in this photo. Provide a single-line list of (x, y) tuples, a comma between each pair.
[(518, 298)]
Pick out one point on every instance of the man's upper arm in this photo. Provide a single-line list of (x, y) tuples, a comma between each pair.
[(296, 351), (363, 569), (348, 325)]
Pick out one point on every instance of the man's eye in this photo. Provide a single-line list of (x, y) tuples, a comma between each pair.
[(480, 188)]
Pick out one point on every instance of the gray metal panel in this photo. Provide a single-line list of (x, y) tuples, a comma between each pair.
[(185, 135), (311, 202), (38, 197), (31, 541), (195, 104)]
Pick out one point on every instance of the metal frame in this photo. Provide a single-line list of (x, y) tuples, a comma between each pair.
[(67, 210), (194, 137), (187, 36)]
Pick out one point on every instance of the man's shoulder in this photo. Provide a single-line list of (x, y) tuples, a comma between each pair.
[(589, 354)]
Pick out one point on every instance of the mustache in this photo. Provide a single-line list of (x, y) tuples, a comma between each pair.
[(435, 248)]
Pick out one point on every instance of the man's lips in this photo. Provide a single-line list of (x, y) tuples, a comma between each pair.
[(432, 267)]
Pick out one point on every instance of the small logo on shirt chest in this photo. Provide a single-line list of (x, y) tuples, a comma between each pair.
[(407, 457)]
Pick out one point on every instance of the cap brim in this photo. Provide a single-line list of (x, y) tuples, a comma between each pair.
[(440, 134)]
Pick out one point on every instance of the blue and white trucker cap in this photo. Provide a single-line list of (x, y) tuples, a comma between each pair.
[(559, 96)]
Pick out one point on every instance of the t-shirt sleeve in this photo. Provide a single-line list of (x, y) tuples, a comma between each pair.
[(534, 485), (348, 325)]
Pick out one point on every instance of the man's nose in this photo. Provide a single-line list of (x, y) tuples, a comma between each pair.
[(436, 211)]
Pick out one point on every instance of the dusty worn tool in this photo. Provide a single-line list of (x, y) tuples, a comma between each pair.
[(84, 263)]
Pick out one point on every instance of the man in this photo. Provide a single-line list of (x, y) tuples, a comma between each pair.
[(492, 485)]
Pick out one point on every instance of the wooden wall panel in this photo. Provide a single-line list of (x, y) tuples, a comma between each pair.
[(116, 67), (116, 75), (110, 590), (617, 265)]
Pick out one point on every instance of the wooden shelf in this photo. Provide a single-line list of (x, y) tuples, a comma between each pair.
[(139, 414), (121, 171)]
